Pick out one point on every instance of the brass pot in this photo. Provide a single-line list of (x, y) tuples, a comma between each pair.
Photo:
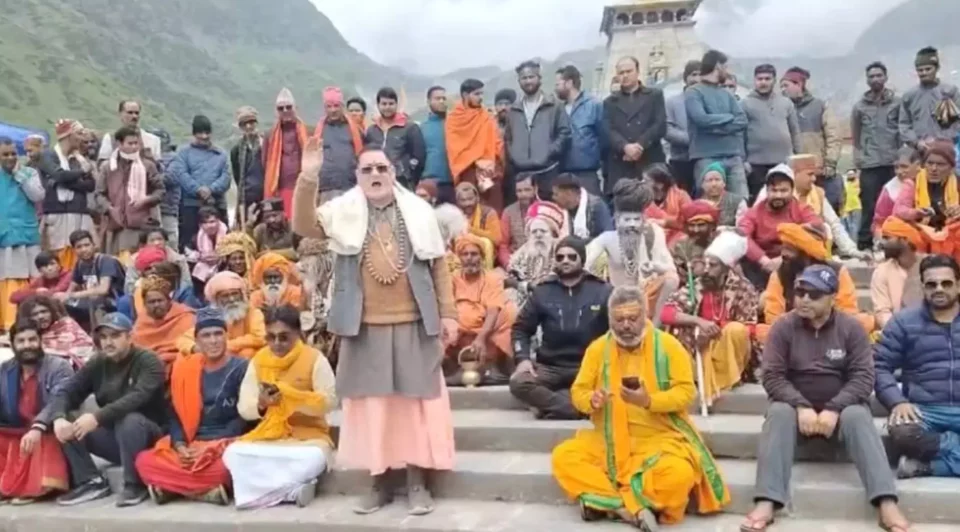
[(470, 368)]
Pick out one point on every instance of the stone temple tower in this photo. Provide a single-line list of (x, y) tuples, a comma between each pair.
[(659, 33)]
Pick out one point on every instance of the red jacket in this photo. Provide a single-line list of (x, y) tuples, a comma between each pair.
[(59, 285), (759, 225)]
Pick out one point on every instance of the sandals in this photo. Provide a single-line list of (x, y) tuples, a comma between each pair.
[(757, 524)]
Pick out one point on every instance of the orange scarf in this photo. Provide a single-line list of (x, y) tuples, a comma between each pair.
[(271, 157), (161, 335), (356, 133), (471, 136)]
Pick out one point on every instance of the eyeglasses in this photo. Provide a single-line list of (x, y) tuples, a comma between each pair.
[(284, 108), (814, 295), (380, 169), (561, 257), (933, 285)]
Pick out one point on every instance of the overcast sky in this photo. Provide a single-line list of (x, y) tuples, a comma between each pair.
[(436, 36)]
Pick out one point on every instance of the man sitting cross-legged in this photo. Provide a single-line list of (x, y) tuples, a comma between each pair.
[(246, 332), (166, 328), (484, 317), (923, 342), (717, 314), (204, 388), (32, 465), (127, 383), (818, 372), (642, 460), (289, 388), (275, 282), (699, 219), (895, 283), (570, 308)]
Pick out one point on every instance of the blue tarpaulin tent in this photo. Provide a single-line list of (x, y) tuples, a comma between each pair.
[(19, 134)]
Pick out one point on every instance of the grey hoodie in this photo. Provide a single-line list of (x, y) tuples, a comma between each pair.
[(773, 132)]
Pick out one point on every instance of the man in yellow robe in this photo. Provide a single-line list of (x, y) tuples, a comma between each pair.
[(643, 458), (246, 331)]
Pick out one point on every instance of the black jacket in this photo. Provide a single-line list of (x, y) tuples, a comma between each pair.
[(639, 118), (570, 317), (251, 175), (403, 143), (134, 385), (75, 179), (544, 144)]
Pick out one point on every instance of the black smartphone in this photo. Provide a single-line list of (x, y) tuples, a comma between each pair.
[(632, 383)]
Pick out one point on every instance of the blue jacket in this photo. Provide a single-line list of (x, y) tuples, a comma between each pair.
[(928, 355), (437, 166), (53, 373), (171, 187), (715, 122), (588, 135), (196, 167)]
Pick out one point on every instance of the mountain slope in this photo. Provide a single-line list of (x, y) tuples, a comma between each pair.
[(181, 57)]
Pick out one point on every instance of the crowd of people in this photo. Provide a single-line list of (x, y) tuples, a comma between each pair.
[(547, 243)]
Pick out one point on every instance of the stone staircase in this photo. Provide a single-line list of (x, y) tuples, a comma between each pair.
[(502, 482)]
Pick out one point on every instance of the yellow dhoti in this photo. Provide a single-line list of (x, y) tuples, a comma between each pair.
[(665, 480), (725, 359), (8, 310), (67, 258)]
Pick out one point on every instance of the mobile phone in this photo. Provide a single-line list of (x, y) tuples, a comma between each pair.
[(632, 383), (270, 388)]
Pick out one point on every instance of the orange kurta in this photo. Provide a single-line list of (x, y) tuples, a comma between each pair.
[(247, 336), (292, 295), (474, 298), (169, 336), (639, 458)]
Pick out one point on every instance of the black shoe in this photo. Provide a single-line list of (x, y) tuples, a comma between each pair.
[(132, 496), (91, 490)]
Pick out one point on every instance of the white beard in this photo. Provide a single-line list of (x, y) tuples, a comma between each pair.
[(236, 312), (272, 294)]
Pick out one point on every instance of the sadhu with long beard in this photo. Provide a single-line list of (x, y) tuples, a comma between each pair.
[(275, 283), (533, 261), (246, 331)]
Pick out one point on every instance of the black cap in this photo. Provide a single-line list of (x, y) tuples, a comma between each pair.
[(202, 124), (575, 243), (505, 95)]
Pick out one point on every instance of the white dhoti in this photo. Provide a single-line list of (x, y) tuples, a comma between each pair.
[(267, 474)]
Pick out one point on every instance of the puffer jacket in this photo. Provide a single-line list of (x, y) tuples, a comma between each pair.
[(588, 137), (200, 166), (928, 355)]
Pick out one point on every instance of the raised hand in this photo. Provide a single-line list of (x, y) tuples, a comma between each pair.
[(312, 159)]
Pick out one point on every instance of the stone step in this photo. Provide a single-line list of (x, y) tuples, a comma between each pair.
[(727, 435), (746, 399), (819, 491), (334, 514)]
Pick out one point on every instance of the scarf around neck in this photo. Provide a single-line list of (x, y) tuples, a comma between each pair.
[(137, 183)]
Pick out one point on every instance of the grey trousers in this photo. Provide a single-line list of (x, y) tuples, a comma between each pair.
[(119, 445), (548, 392), (778, 443)]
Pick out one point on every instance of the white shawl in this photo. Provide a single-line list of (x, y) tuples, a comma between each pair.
[(344, 220), (580, 219)]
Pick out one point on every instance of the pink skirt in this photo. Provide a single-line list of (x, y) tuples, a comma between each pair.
[(392, 432)]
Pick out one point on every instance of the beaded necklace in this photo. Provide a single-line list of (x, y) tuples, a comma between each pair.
[(396, 237)]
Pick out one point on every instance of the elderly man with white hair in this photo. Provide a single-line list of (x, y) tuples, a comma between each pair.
[(716, 315)]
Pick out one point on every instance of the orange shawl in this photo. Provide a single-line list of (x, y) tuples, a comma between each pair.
[(271, 157), (167, 337), (186, 396), (355, 133), (471, 136)]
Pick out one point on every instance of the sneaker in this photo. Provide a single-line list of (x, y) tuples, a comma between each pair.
[(158, 496), (910, 468), (216, 496), (91, 490), (132, 496), (306, 494)]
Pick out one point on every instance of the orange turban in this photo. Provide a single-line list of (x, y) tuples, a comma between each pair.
[(155, 283), (699, 210), (463, 241), (894, 227), (803, 239), (273, 261)]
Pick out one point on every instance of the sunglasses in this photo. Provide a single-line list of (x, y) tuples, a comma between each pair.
[(284, 108), (375, 168), (813, 295), (933, 285), (561, 257)]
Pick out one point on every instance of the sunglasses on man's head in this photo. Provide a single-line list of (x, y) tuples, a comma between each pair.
[(379, 168), (814, 295), (933, 285), (561, 257), (284, 108)]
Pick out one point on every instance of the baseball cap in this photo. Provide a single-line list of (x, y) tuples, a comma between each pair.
[(116, 321), (781, 170), (820, 277)]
